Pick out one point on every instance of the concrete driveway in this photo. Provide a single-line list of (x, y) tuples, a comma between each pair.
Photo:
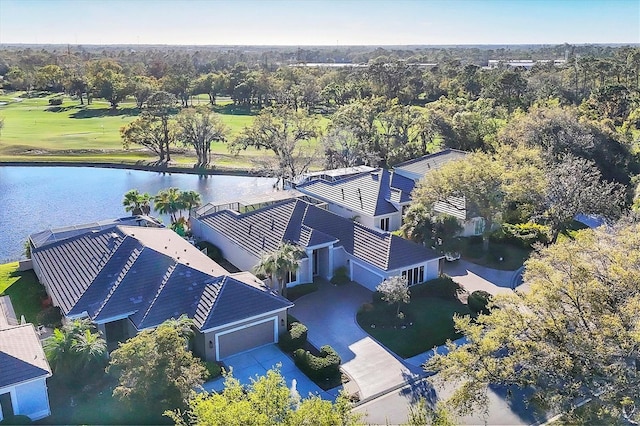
[(475, 277), (330, 315), (248, 365)]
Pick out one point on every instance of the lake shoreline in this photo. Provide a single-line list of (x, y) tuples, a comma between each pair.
[(141, 167)]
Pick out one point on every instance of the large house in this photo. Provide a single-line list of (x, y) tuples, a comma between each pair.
[(23, 368), (130, 278), (329, 241), (378, 198)]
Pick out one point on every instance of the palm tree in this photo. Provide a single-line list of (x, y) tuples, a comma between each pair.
[(279, 264), (190, 199), (75, 348), (137, 203), (168, 201)]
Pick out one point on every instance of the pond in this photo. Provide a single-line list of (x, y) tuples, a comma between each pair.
[(34, 199)]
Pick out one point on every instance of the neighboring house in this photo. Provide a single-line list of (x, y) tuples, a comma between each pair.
[(131, 278), (329, 241), (23, 368), (418, 168), (378, 198), (374, 198)]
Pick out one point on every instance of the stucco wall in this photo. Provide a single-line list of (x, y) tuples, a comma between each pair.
[(364, 276)]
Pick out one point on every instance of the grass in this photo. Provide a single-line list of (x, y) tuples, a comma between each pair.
[(23, 288), (428, 322), (300, 290), (36, 131), (502, 256)]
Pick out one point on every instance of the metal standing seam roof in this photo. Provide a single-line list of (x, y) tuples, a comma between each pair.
[(150, 283), (423, 165), (21, 356), (378, 248)]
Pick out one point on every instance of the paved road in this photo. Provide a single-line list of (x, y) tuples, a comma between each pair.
[(393, 408), (330, 315)]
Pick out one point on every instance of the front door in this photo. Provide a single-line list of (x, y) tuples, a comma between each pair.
[(316, 260), (5, 405)]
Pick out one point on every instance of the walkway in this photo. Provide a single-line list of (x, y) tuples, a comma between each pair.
[(475, 277), (330, 315)]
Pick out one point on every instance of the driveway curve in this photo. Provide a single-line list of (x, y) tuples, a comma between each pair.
[(476, 277), (330, 316)]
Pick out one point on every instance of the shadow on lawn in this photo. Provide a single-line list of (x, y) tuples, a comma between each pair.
[(26, 295), (232, 109), (105, 112)]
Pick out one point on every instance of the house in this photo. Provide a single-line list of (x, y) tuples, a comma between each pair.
[(375, 198), (418, 168), (23, 368), (130, 278), (378, 198), (329, 241)]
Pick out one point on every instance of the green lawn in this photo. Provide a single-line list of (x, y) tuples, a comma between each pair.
[(36, 131), (23, 288), (502, 256), (431, 318)]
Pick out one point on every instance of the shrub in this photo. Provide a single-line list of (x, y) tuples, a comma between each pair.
[(340, 276), (443, 287), (50, 317), (321, 367), (212, 251), (524, 234), (55, 101), (16, 419), (293, 338), (213, 368), (478, 301)]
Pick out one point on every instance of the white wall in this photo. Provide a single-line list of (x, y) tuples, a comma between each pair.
[(241, 258), (431, 269), (365, 276), (349, 214), (29, 399)]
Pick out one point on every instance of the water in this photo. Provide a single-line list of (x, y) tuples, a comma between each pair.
[(34, 199)]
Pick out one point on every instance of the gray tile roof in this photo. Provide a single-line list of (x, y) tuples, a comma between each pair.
[(421, 166), (21, 355), (49, 236), (149, 274), (253, 232), (367, 193)]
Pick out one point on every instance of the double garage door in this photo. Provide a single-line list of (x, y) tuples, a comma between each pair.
[(245, 338)]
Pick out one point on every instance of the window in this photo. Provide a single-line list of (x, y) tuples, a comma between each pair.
[(479, 226), (384, 224), (291, 277), (414, 275)]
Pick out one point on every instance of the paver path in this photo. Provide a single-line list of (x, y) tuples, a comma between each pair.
[(330, 315)]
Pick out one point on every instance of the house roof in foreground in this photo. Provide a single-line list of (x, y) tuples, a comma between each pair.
[(21, 356), (148, 274), (370, 193), (263, 230), (423, 165)]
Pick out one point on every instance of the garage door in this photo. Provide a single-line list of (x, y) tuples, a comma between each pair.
[(246, 338)]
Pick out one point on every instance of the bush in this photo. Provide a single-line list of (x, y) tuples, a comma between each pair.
[(524, 235), (321, 367), (212, 251), (478, 301), (294, 338), (443, 287), (55, 101), (50, 317), (214, 369), (340, 276)]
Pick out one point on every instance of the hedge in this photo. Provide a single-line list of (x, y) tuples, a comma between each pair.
[(213, 368), (321, 367), (443, 287), (294, 338), (478, 301)]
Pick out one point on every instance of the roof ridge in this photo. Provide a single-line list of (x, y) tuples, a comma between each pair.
[(339, 181), (133, 257), (165, 279)]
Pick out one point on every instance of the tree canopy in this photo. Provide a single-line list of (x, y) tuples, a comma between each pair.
[(267, 401), (573, 335)]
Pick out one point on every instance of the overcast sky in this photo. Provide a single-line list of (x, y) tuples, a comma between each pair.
[(319, 22)]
